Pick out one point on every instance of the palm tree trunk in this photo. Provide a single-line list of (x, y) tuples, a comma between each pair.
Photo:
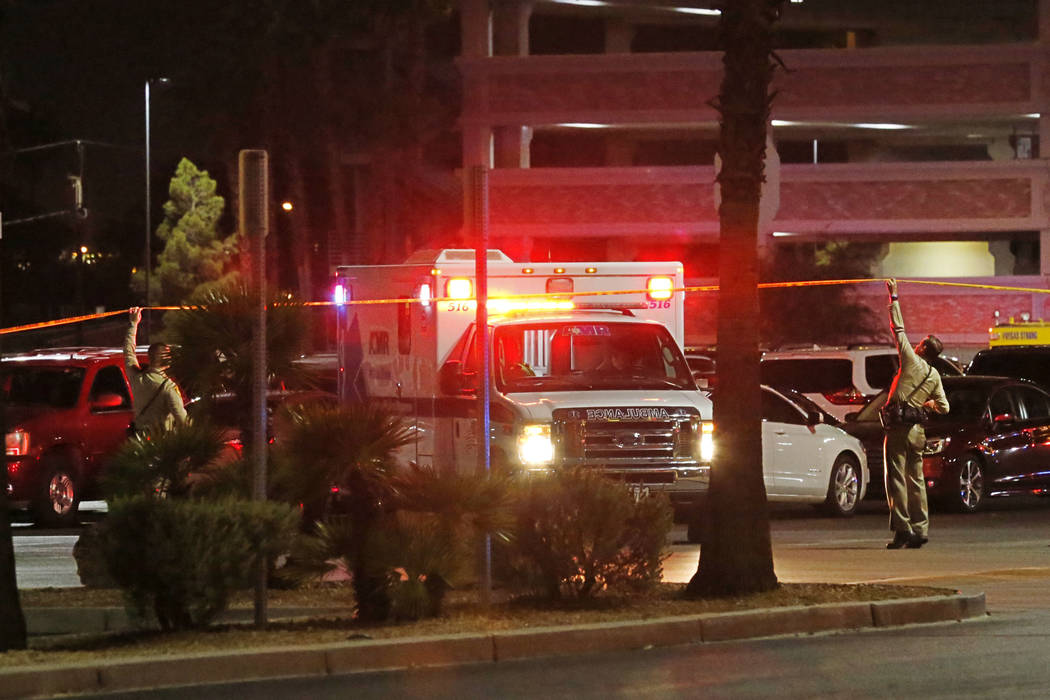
[(12, 621), (736, 555)]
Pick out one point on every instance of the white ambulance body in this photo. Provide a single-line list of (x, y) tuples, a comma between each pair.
[(584, 378)]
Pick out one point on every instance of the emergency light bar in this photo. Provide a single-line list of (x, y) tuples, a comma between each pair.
[(508, 306), (660, 288), (617, 306)]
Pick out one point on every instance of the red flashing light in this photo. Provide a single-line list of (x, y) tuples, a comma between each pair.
[(660, 288)]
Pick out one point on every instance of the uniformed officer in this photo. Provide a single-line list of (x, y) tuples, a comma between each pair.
[(917, 385), (155, 397)]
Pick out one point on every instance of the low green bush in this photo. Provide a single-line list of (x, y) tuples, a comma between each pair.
[(578, 532), (181, 559)]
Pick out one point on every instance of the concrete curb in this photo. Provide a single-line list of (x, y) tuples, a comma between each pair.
[(377, 655), (48, 621)]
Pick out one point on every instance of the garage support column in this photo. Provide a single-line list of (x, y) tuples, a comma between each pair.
[(510, 27), (476, 39), (510, 37), (1041, 91)]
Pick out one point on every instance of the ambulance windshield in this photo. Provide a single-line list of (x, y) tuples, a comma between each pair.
[(569, 356)]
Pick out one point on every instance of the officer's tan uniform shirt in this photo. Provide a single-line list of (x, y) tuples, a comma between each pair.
[(913, 370), (151, 413)]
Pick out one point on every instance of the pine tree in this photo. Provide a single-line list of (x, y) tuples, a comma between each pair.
[(196, 257)]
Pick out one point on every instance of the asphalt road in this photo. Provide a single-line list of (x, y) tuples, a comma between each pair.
[(1004, 553)]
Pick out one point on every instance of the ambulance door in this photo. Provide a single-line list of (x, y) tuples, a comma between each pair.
[(405, 389), (459, 410)]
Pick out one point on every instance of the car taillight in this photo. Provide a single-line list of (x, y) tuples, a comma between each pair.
[(848, 396), (17, 443)]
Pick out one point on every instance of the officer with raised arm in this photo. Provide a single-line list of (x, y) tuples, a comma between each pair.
[(916, 389)]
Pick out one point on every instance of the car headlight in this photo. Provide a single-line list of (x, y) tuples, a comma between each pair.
[(535, 448), (936, 445), (707, 441)]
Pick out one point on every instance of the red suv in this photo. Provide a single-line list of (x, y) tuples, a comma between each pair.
[(66, 411)]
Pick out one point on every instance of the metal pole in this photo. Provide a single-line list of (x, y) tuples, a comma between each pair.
[(253, 170), (481, 275), (148, 231)]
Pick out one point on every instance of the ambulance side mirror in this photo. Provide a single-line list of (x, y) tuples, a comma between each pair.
[(452, 380)]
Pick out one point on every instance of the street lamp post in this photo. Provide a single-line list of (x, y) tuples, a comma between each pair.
[(149, 223)]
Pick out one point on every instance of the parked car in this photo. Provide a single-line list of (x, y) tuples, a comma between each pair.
[(806, 457), (1030, 362), (221, 410), (702, 364), (839, 380), (994, 441), (66, 411)]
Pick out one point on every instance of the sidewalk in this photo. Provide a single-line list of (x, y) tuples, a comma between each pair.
[(376, 655)]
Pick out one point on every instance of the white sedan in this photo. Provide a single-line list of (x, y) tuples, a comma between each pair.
[(806, 458)]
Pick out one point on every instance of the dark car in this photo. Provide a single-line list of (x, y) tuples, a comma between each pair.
[(66, 411), (1030, 362), (994, 441)]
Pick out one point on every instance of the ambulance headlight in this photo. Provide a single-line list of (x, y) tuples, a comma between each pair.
[(706, 447), (535, 448)]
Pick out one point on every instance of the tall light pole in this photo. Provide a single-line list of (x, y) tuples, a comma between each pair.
[(149, 223)]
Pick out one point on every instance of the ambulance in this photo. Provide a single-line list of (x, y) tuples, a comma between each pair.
[(586, 366)]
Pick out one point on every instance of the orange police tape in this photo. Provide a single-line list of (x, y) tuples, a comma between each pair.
[(555, 295)]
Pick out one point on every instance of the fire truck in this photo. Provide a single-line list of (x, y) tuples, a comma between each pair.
[(586, 365)]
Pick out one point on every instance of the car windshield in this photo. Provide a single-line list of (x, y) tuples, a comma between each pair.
[(57, 387), (570, 355)]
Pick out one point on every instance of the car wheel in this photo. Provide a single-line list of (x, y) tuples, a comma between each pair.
[(843, 487), (58, 498), (968, 494)]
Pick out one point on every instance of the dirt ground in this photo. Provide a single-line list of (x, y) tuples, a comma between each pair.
[(462, 614)]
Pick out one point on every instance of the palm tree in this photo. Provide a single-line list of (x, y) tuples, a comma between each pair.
[(351, 449), (736, 555), (212, 345)]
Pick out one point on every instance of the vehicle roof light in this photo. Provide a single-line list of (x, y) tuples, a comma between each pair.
[(340, 293), (559, 285), (660, 288), (559, 270), (435, 271), (591, 270), (509, 306), (527, 270), (459, 288)]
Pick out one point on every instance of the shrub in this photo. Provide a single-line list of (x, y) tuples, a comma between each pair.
[(419, 545), (578, 532), (181, 559), (166, 464)]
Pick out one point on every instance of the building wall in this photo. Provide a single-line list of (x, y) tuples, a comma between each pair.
[(864, 201)]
